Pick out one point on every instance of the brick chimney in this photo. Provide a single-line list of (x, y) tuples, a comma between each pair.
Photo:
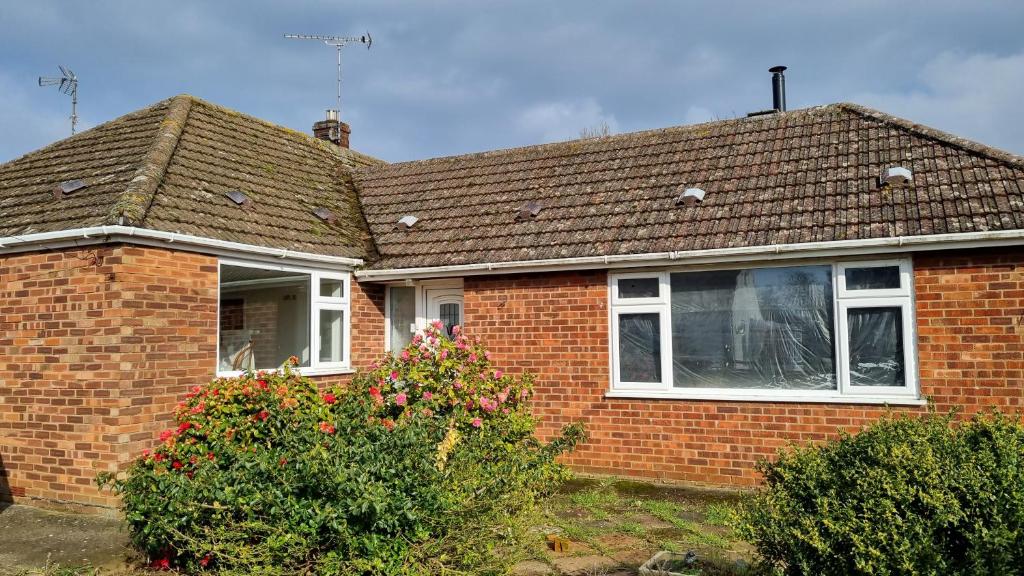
[(332, 129)]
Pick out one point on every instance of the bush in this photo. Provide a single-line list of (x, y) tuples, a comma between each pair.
[(419, 466), (904, 496)]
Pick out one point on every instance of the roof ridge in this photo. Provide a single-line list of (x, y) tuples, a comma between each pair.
[(940, 136), (623, 137), (131, 208)]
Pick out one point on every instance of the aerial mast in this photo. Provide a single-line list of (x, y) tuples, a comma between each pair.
[(338, 42), (67, 84)]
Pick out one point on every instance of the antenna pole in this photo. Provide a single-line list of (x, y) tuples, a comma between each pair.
[(338, 42), (74, 106)]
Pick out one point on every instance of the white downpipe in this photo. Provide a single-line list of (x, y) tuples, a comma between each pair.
[(104, 234)]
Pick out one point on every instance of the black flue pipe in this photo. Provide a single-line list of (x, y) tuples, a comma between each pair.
[(778, 88)]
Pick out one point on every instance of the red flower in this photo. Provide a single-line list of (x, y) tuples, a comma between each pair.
[(388, 423), (293, 360), (209, 456), (263, 415), (282, 462), (177, 465), (161, 563), (375, 394), (205, 561), (184, 426), (262, 384), (189, 474), (193, 459), (330, 398), (158, 457), (326, 428), (166, 435), (145, 453)]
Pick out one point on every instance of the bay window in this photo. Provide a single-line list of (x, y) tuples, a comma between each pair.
[(270, 313), (818, 331)]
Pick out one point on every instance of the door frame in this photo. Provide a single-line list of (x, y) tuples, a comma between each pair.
[(422, 312)]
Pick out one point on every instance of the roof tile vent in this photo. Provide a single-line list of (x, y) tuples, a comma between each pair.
[(896, 176), (67, 187), (239, 198), (325, 214), (690, 197), (529, 210), (408, 221)]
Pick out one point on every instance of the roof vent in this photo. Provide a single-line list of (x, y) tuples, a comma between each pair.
[(690, 197), (325, 214), (239, 198), (529, 210), (67, 187), (896, 176), (408, 221)]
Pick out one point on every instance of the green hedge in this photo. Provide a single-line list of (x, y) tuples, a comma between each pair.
[(905, 496), (420, 466)]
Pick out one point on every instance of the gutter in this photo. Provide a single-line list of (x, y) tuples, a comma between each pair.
[(145, 236), (834, 248)]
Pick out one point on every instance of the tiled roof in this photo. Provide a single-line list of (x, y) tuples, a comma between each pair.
[(167, 168), (801, 176)]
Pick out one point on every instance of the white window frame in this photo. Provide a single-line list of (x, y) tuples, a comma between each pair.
[(316, 304), (843, 393)]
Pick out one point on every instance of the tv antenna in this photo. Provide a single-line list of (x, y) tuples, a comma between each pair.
[(338, 42), (68, 84)]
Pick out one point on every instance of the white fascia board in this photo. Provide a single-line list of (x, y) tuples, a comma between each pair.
[(837, 248), (130, 235)]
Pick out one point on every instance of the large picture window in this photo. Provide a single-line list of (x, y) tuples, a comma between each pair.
[(802, 332), (268, 314)]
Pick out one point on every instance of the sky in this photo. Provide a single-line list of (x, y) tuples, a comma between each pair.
[(454, 76)]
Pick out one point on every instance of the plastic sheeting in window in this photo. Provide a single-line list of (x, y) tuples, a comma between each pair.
[(876, 346), (767, 328), (640, 347)]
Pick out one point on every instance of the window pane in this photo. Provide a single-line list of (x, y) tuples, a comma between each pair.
[(878, 278), (332, 288), (767, 328), (638, 287), (332, 335), (876, 346), (639, 348), (264, 318), (403, 316), (450, 315)]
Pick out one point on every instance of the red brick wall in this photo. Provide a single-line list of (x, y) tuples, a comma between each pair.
[(97, 345), (969, 309)]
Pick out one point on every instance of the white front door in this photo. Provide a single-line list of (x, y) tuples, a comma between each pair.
[(445, 304)]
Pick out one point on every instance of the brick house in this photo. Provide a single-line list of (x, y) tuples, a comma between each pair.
[(698, 295)]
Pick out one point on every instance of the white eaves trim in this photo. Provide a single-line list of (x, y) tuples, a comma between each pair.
[(714, 256), (145, 236)]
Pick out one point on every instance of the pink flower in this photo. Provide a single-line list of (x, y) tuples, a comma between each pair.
[(427, 396), (437, 324), (404, 356), (456, 329), (472, 357), (394, 375), (400, 399), (417, 339), (503, 396), (166, 435), (444, 354), (487, 354), (498, 373), (145, 453), (477, 422), (457, 385)]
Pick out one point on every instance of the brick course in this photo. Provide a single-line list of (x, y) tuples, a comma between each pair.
[(969, 313)]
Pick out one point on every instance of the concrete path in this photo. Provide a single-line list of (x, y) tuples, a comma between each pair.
[(31, 537)]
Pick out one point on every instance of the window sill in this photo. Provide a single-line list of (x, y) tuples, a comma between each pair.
[(768, 397), (301, 371)]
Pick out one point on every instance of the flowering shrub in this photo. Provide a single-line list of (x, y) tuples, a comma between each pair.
[(417, 467)]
